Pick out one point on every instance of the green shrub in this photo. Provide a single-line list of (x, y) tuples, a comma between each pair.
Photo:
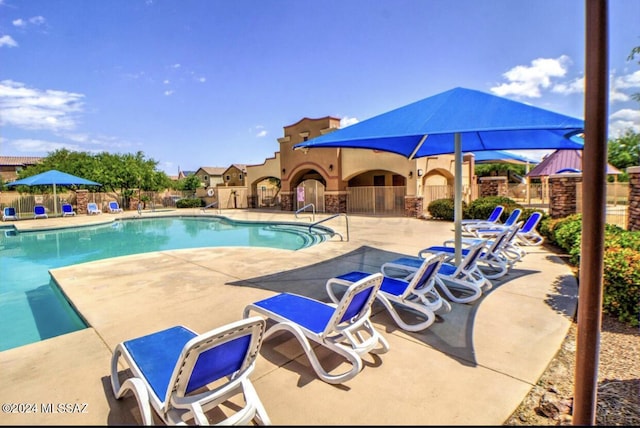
[(481, 208), (621, 296), (443, 209), (621, 263), (189, 203)]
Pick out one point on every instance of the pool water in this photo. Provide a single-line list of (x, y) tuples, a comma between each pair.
[(32, 307)]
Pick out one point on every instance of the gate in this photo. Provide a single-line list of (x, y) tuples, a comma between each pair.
[(310, 192)]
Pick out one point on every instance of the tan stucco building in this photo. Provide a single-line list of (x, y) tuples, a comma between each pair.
[(341, 180)]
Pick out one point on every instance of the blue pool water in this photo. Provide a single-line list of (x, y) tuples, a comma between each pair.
[(32, 308)]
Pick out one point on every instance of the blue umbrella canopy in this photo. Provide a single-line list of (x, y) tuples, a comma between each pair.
[(53, 178), (456, 121), (501, 156), (483, 121)]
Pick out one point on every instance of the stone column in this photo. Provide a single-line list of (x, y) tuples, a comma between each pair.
[(493, 186), (335, 202), (562, 194), (413, 206), (633, 222), (82, 199), (286, 201)]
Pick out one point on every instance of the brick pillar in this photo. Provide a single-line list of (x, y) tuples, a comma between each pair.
[(633, 223), (493, 186), (286, 201), (82, 199), (335, 202), (562, 194), (413, 206)]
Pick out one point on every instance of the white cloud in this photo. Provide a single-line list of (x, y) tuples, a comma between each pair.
[(262, 133), (31, 108), (34, 20), (167, 93), (527, 81), (622, 120), (346, 121), (8, 41), (41, 146), (576, 86), (166, 81), (202, 79)]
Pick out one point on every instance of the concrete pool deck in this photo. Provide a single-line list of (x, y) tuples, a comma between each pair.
[(473, 366)]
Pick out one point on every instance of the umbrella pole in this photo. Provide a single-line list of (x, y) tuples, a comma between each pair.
[(457, 203)]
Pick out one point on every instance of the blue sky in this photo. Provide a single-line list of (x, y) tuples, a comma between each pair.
[(194, 83)]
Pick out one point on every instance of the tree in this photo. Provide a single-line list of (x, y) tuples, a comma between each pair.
[(624, 152)]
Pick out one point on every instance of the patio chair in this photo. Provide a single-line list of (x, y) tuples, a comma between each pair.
[(527, 235), (92, 208), (417, 295), (510, 221), (463, 283), (343, 328), (493, 218), (39, 212), (114, 207), (183, 375), (494, 261), (9, 213), (67, 210)]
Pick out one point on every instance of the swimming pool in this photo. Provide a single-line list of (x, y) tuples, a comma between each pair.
[(32, 307)]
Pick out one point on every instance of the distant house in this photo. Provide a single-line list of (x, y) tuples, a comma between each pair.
[(211, 176), (235, 175), (11, 165)]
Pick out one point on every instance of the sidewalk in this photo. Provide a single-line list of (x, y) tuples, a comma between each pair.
[(472, 367)]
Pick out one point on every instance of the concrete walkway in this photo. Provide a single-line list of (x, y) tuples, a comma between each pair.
[(473, 366)]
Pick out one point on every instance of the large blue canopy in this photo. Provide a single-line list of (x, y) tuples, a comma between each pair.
[(53, 178), (484, 122)]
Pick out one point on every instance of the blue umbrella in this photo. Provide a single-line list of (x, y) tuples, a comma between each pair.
[(53, 178), (501, 156), (456, 121)]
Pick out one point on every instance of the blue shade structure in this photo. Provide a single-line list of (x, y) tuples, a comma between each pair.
[(53, 178), (458, 120)]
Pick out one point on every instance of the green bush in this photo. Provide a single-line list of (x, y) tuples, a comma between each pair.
[(443, 209), (481, 208), (621, 263), (189, 203)]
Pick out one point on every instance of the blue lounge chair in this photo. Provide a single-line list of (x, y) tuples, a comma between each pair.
[(510, 221), (182, 375), (9, 213), (493, 218), (114, 207), (463, 283), (494, 261), (417, 295), (92, 208), (39, 212), (343, 328), (67, 210)]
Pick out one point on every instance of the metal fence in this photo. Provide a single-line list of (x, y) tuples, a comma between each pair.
[(617, 203), (376, 200)]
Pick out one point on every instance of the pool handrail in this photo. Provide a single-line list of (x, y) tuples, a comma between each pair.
[(346, 218), (313, 210)]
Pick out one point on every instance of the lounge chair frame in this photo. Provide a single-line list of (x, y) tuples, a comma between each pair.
[(39, 211), (344, 328), (223, 357), (9, 213), (466, 278), (114, 207), (67, 210), (92, 208), (418, 294)]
